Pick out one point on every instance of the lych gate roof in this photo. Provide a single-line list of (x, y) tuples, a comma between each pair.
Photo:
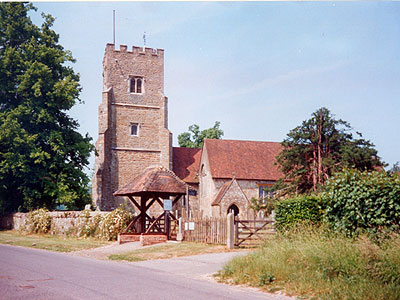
[(249, 160), (154, 180), (186, 163)]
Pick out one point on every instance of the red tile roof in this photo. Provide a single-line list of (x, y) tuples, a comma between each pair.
[(249, 160), (156, 179), (186, 163), (221, 193)]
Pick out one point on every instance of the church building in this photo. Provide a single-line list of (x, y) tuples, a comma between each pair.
[(133, 135)]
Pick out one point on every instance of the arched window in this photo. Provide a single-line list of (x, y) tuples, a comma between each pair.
[(233, 209), (134, 129), (136, 85)]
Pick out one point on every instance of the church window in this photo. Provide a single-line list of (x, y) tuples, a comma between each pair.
[(135, 129), (265, 191), (136, 85)]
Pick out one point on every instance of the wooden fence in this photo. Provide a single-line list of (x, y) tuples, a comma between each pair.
[(206, 230)]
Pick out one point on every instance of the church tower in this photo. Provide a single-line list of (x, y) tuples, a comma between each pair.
[(133, 121)]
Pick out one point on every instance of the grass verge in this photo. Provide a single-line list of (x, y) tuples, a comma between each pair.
[(316, 264), (168, 250), (49, 242)]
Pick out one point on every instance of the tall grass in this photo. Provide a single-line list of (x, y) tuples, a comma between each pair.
[(319, 264)]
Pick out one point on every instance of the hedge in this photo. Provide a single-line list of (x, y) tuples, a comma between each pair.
[(298, 209)]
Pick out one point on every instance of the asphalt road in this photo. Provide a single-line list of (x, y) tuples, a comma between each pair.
[(37, 274)]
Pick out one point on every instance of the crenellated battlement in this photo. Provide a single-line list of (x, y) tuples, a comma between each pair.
[(135, 50)]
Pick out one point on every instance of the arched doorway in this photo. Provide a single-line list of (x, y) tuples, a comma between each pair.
[(233, 209)]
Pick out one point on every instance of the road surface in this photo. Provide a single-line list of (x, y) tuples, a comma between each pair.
[(38, 274)]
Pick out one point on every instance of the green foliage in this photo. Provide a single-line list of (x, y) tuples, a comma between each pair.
[(105, 226), (363, 201), (395, 169), (38, 221), (114, 222), (42, 155), (265, 205), (194, 138), (298, 209), (314, 263), (88, 226), (319, 147), (265, 278)]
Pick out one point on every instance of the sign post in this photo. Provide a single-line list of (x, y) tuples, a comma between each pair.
[(167, 209)]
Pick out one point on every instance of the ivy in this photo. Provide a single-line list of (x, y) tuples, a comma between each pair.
[(363, 201)]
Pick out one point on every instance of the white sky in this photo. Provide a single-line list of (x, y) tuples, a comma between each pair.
[(260, 68)]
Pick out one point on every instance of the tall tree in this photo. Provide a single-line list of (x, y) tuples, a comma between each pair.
[(395, 168), (321, 146), (194, 137), (42, 155)]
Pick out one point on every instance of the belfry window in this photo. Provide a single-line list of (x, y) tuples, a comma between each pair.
[(134, 129), (136, 85)]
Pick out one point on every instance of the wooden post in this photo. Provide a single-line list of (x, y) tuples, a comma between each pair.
[(166, 224), (143, 213), (230, 238), (179, 236), (187, 202)]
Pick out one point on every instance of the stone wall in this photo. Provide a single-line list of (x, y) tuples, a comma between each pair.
[(207, 188), (62, 221), (234, 195)]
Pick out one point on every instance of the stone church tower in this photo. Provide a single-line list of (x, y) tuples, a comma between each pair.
[(133, 121)]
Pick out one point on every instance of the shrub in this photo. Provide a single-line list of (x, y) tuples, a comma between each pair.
[(88, 226), (114, 222), (298, 209), (38, 221), (321, 264), (363, 201)]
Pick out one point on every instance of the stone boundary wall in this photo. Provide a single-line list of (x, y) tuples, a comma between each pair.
[(62, 221)]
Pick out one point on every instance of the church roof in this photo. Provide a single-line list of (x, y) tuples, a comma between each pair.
[(156, 179), (186, 163), (249, 160)]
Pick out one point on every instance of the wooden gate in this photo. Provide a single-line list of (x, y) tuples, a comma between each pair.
[(252, 232)]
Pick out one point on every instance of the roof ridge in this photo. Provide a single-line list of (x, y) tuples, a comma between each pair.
[(235, 140)]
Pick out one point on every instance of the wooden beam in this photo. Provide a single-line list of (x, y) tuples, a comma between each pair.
[(150, 204), (172, 216), (154, 223), (134, 202), (131, 223), (160, 202), (176, 200)]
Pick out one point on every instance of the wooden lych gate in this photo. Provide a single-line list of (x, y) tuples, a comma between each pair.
[(152, 187)]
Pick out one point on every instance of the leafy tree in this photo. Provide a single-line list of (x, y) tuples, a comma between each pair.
[(42, 155), (395, 169), (320, 146), (194, 138)]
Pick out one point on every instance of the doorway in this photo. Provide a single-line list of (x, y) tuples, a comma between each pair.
[(233, 209)]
